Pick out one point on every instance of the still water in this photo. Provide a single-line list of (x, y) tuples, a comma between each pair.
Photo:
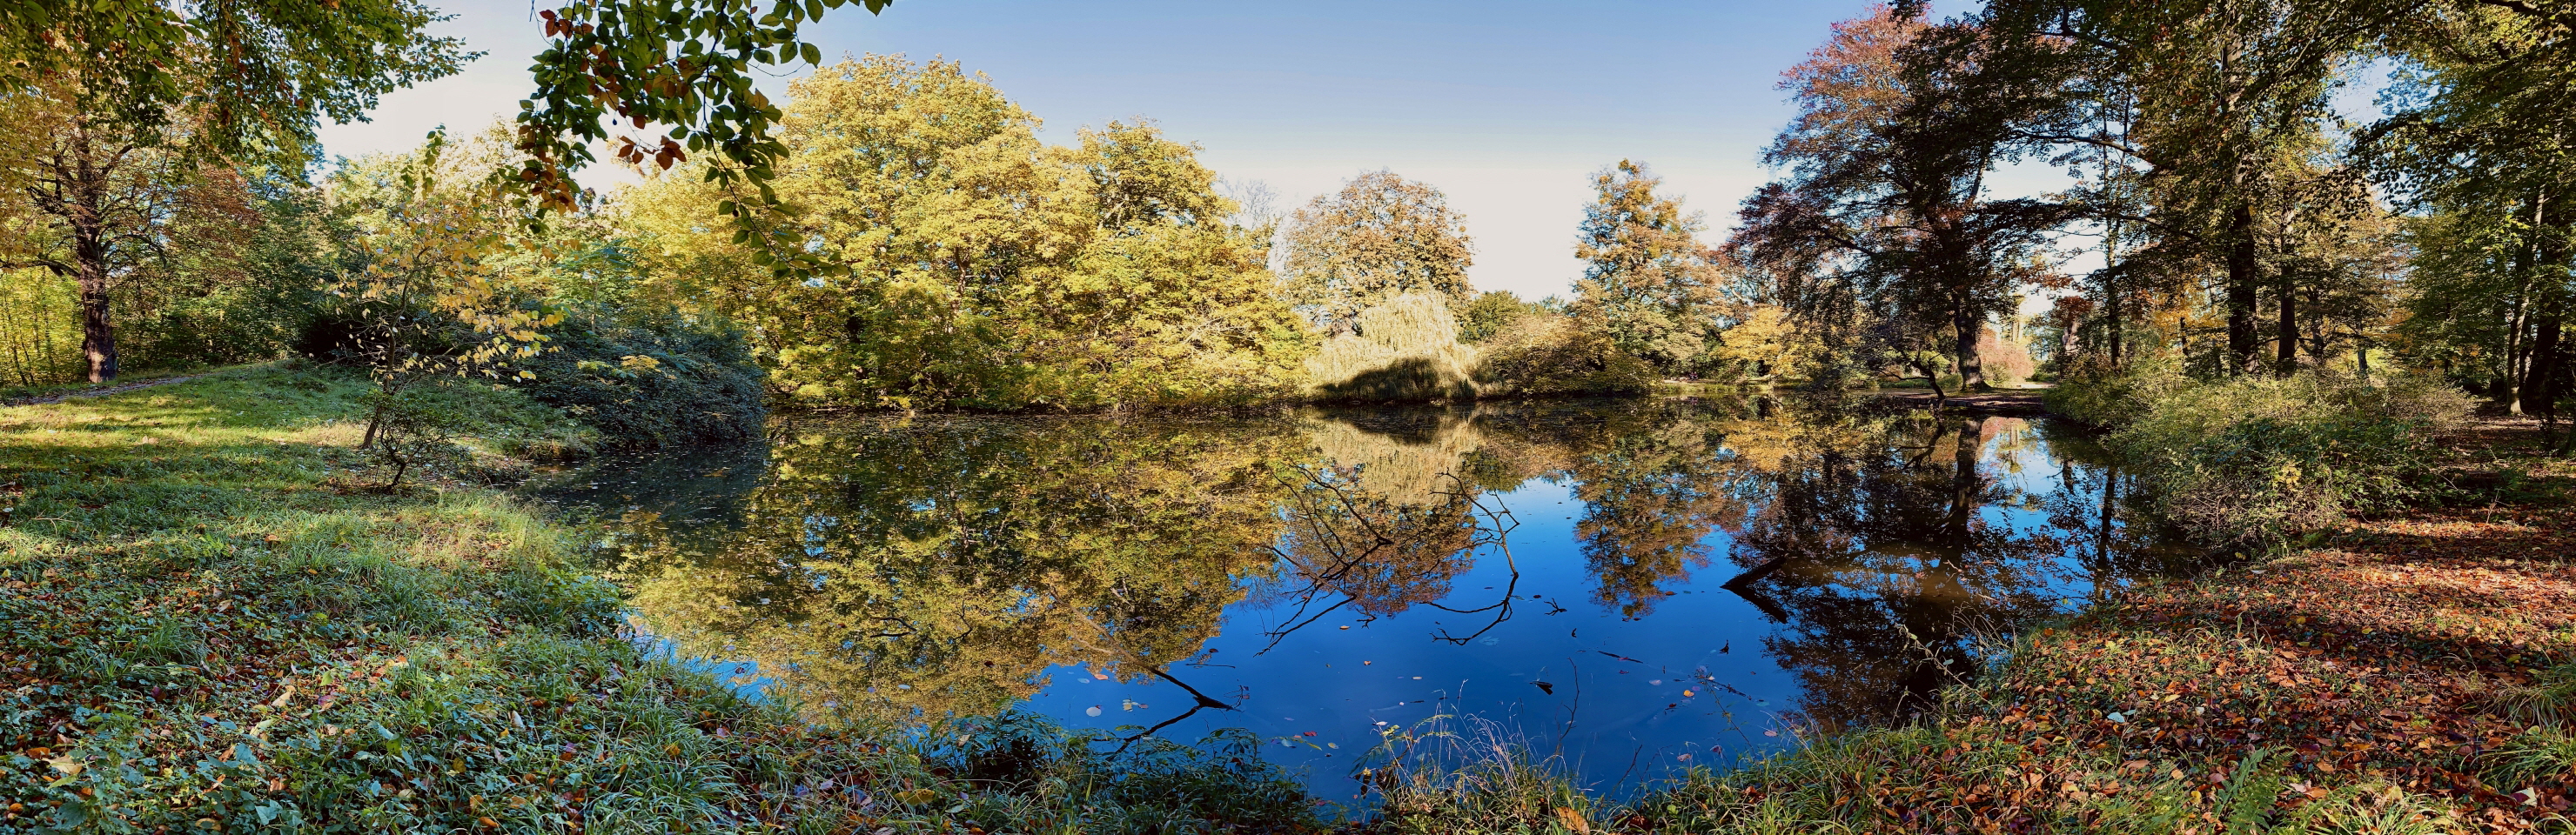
[(1634, 586)]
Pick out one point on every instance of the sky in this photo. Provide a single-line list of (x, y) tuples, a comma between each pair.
[(1507, 106)]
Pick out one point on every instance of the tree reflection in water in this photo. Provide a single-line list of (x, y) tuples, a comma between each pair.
[(895, 571)]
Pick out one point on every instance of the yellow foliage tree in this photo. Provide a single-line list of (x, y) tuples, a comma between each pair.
[(972, 264)]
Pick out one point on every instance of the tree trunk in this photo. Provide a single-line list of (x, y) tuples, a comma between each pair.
[(2285, 357), (1972, 368), (2111, 318), (2244, 278), (2548, 349), (88, 189), (2516, 348)]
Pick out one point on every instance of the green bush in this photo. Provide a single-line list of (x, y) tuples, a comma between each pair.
[(650, 382), (2258, 461)]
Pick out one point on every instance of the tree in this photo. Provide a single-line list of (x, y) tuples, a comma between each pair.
[(1381, 236), (99, 205), (1490, 313), (117, 109), (1899, 123), (247, 79), (2479, 147), (428, 298), (972, 264), (2228, 97), (1647, 283)]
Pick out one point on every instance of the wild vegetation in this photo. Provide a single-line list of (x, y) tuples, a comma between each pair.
[(275, 596)]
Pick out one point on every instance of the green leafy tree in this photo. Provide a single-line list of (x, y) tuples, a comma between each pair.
[(246, 79), (428, 298), (1490, 312), (2222, 106), (1380, 237), (2477, 144)]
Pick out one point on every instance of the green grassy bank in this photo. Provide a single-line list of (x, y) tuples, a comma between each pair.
[(211, 620)]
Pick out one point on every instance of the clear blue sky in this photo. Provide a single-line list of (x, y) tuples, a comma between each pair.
[(1505, 105)]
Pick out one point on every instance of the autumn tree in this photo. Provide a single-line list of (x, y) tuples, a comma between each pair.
[(245, 79), (1647, 282), (1380, 237), (105, 208), (972, 264), (1886, 184), (116, 111), (2227, 102)]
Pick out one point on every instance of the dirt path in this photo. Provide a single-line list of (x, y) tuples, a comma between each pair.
[(100, 392)]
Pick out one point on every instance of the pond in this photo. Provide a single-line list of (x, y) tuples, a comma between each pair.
[(1633, 586)]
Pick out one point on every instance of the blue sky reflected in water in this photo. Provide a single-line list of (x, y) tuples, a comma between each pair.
[(1633, 586)]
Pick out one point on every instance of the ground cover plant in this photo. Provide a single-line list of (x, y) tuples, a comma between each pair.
[(213, 618)]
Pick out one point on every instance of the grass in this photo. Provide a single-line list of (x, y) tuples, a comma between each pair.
[(210, 620)]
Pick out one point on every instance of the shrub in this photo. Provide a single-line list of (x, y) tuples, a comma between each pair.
[(1543, 354), (1404, 349), (2004, 362), (2258, 461), (650, 382)]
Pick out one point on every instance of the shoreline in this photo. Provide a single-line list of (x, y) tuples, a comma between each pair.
[(248, 606)]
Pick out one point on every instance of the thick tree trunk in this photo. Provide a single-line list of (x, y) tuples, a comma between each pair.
[(2548, 339), (2517, 349), (98, 338), (2548, 352), (88, 189), (1972, 368), (2244, 278)]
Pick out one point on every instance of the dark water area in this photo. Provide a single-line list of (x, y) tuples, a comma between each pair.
[(1635, 586)]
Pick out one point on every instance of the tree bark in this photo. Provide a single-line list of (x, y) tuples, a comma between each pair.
[(2548, 349), (2111, 317), (1972, 368), (2243, 280), (2286, 357), (88, 198)]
